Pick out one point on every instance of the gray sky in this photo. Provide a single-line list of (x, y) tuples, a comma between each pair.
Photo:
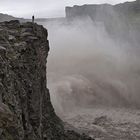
[(44, 8)]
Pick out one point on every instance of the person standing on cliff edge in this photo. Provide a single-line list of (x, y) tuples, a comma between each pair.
[(33, 19)]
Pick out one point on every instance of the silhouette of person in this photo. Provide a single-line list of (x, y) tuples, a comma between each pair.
[(33, 18)]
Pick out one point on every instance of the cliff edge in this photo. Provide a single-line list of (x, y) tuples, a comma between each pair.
[(26, 112)]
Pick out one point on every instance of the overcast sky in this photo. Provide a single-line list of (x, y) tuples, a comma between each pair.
[(44, 8)]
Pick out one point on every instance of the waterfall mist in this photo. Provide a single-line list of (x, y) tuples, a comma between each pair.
[(89, 67)]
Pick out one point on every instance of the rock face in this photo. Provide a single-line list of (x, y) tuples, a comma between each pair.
[(26, 112)]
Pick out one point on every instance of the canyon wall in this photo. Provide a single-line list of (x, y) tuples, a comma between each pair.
[(95, 11), (121, 21)]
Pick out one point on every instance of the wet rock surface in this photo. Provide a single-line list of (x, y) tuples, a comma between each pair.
[(26, 112)]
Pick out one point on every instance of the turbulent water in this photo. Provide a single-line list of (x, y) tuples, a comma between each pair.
[(88, 67), (104, 123), (94, 78)]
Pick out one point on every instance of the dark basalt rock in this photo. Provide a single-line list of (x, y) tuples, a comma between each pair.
[(26, 112)]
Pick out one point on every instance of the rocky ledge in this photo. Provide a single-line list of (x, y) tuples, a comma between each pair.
[(26, 112)]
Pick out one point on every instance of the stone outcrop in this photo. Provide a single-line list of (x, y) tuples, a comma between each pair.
[(26, 112)]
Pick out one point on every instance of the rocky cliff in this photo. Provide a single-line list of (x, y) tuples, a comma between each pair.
[(26, 112)]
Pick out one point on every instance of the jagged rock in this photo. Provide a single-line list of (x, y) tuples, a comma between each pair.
[(6, 116), (26, 34), (2, 48), (11, 37), (26, 112)]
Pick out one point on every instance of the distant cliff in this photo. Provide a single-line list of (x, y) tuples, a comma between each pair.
[(99, 12), (26, 112), (121, 21)]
